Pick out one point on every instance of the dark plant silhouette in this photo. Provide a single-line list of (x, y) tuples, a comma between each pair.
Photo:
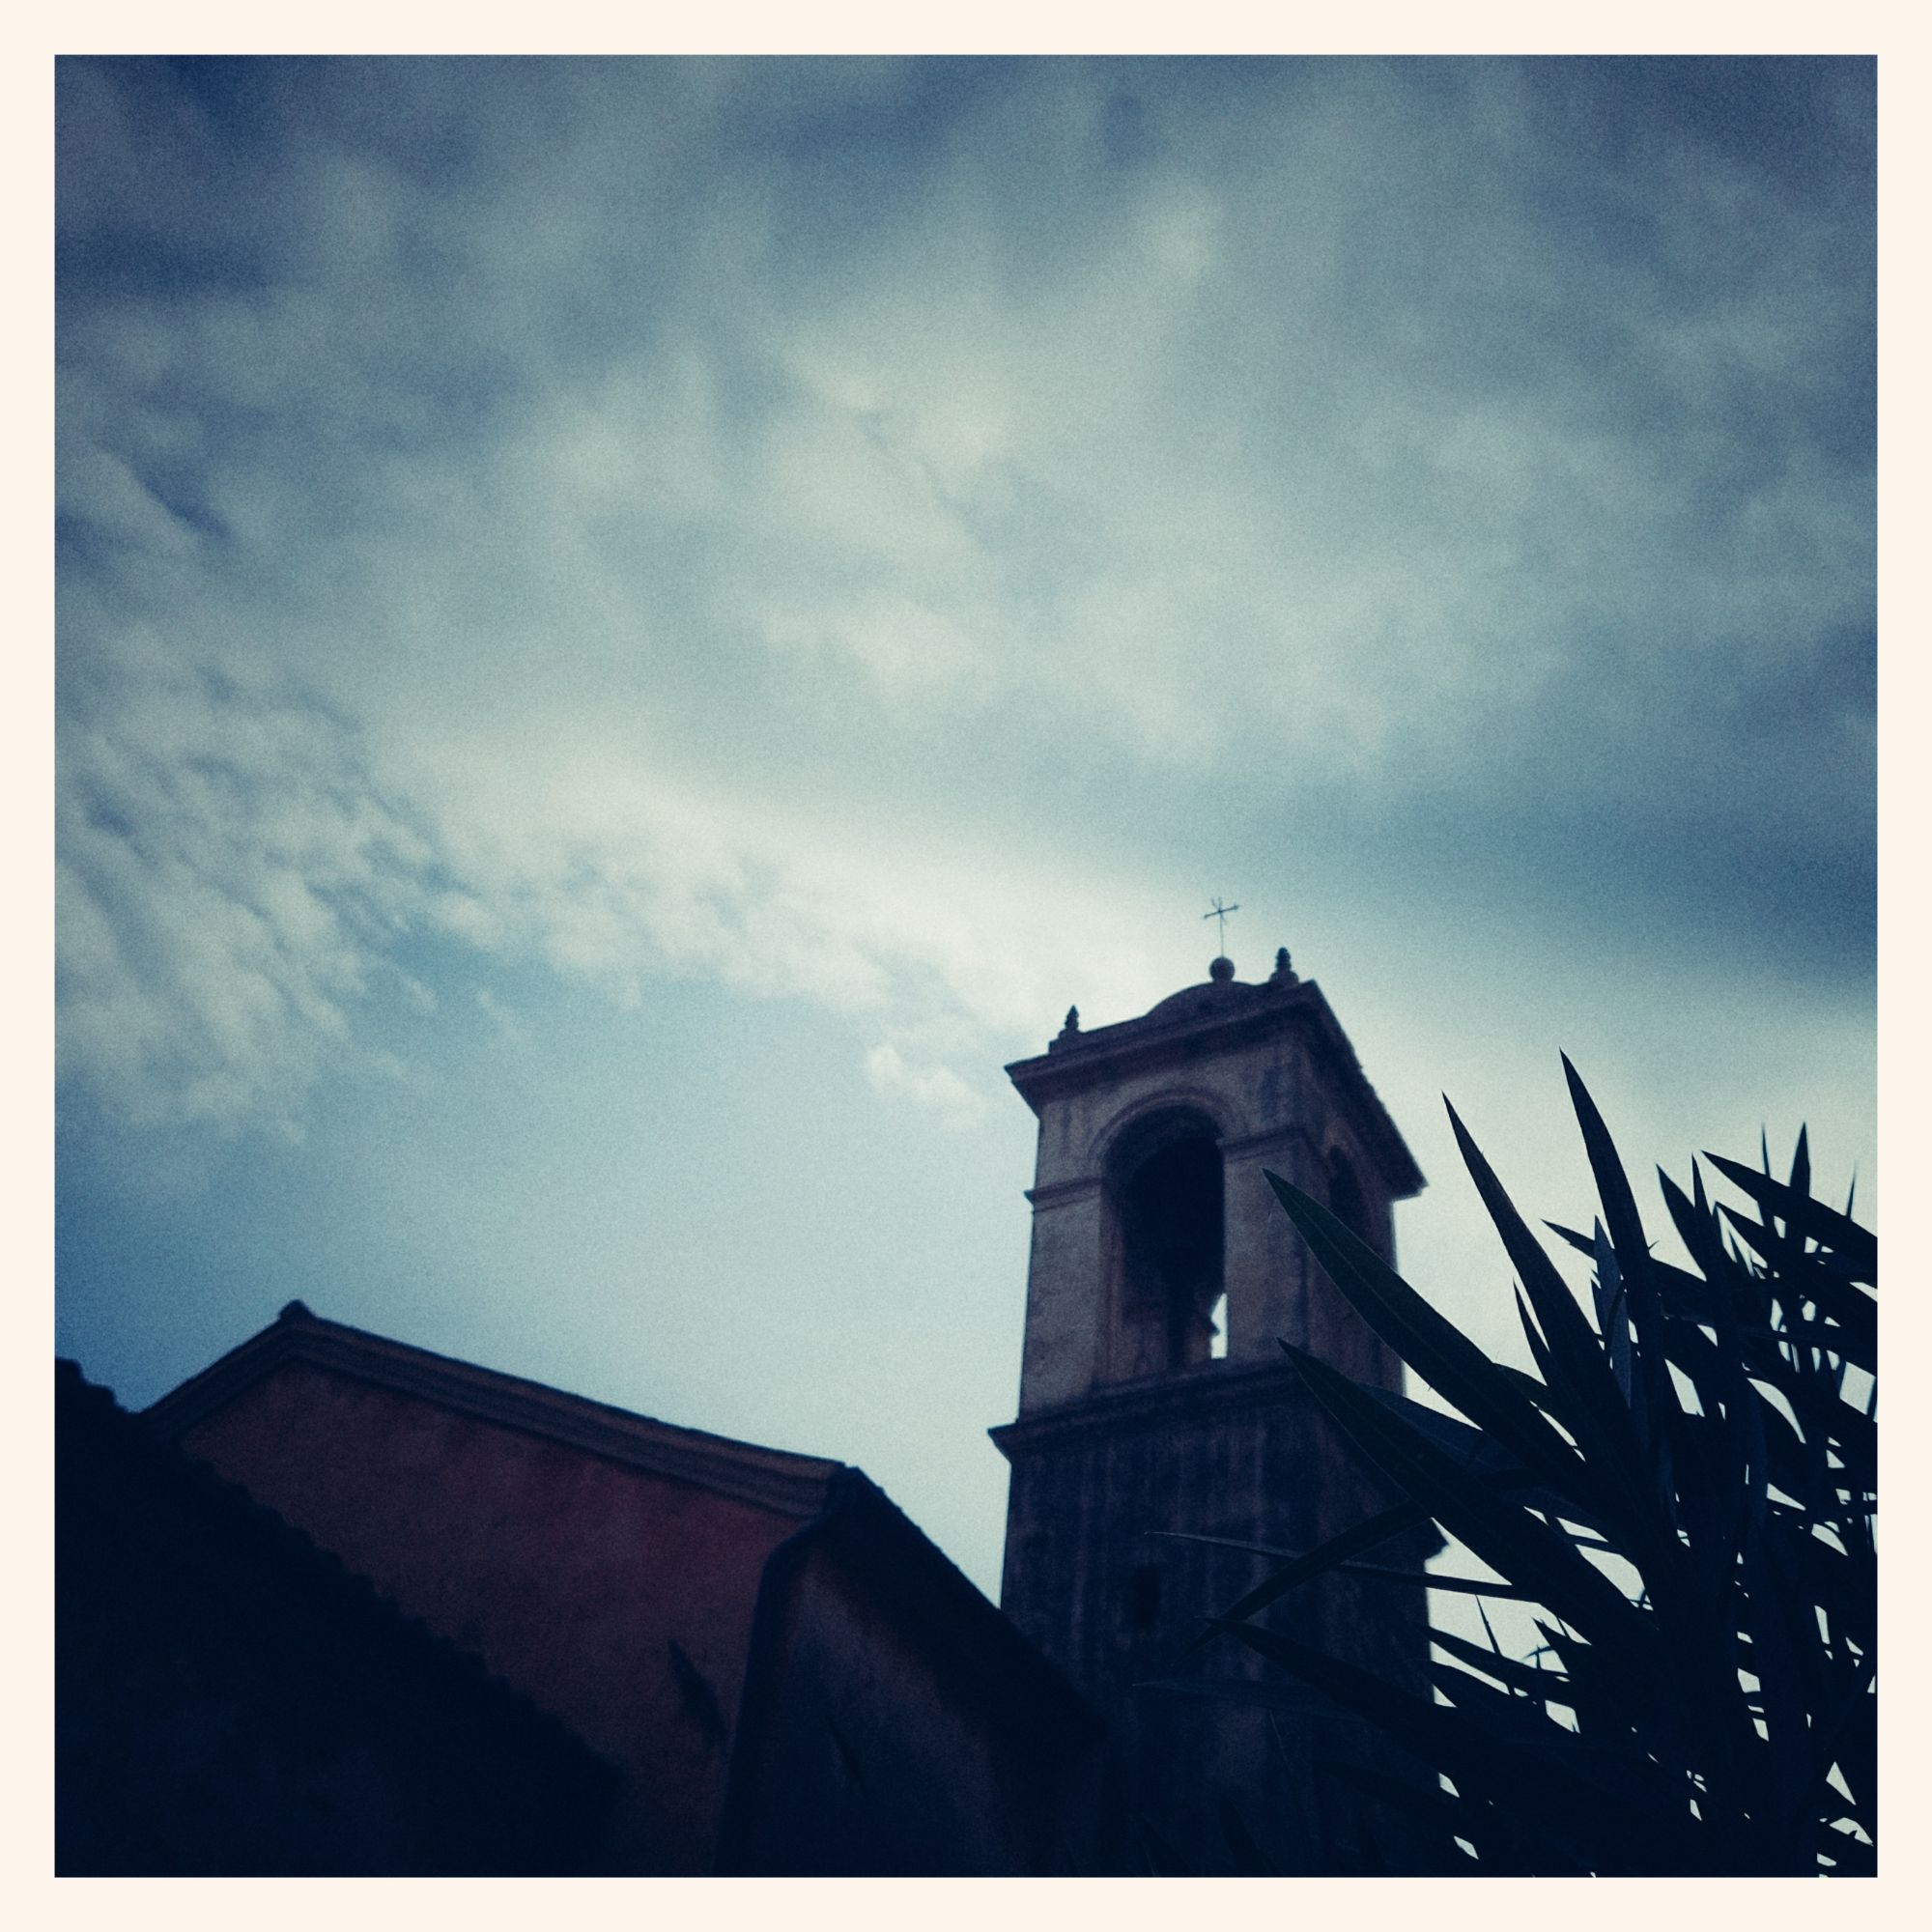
[(1686, 1490)]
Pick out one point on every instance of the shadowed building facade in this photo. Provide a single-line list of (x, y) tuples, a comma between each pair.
[(1153, 1395), (784, 1675), (751, 1658), (230, 1699)]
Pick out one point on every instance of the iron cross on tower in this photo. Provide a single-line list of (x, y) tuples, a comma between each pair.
[(1221, 913)]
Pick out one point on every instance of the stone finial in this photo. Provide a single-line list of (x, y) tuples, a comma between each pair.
[(1284, 975), (1072, 1022), (1221, 970)]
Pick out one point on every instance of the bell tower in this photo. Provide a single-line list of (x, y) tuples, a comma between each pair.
[(1153, 1395)]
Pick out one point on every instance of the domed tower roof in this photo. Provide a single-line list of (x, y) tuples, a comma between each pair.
[(1219, 1013)]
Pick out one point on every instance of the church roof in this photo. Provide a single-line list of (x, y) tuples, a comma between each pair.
[(845, 1567), (775, 1479), (836, 1499)]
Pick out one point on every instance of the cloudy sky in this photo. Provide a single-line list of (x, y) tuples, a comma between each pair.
[(630, 630)]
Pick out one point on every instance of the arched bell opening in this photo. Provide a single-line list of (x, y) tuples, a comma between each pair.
[(1168, 1235)]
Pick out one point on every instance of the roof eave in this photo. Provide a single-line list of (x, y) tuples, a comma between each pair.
[(792, 1485), (1109, 1051)]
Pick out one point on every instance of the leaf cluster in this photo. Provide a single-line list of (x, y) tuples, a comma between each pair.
[(1686, 1490)]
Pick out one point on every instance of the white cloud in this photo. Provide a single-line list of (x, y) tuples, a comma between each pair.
[(937, 1087), (508, 1027), (625, 553), (236, 880), (906, 646), (227, 886)]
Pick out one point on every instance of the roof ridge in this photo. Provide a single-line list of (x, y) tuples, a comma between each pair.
[(780, 1479)]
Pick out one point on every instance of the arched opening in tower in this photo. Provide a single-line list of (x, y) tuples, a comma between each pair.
[(1345, 1194), (1171, 1225)]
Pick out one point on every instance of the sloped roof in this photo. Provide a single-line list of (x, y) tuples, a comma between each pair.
[(836, 1509), (775, 1479)]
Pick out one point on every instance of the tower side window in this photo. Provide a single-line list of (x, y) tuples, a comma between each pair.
[(1167, 1194), (1345, 1194)]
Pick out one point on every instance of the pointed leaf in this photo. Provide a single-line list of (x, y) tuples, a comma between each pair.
[(1228, 1542), (1651, 1396), (1298, 1700), (1250, 1860), (1369, 1534), (1838, 1300), (1573, 1365), (1525, 1679), (1450, 1817), (1381, 1573), (1507, 1538), (1612, 1313), (1435, 1348), (1582, 1244), (1556, 1771), (1854, 1245)]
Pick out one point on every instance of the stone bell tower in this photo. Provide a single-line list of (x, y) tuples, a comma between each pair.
[(1153, 1395)]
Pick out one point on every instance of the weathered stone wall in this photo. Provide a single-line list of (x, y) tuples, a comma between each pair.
[(1272, 1109), (1105, 1452), (1216, 1451), (884, 1750)]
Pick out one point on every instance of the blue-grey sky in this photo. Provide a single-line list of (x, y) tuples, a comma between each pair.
[(630, 630)]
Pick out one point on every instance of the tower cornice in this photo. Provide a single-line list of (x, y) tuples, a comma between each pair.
[(1210, 1390), (1219, 1015)]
